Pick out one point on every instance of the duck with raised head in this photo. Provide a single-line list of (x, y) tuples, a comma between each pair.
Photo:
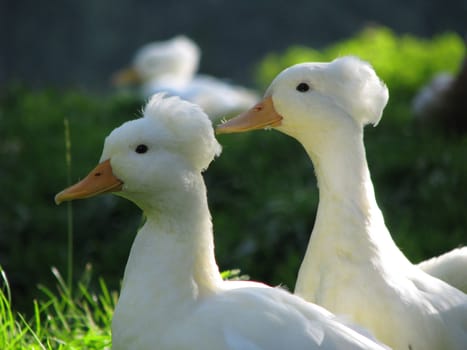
[(173, 296), (352, 266)]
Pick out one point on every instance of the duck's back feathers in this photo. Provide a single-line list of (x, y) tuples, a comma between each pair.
[(257, 310), (451, 267)]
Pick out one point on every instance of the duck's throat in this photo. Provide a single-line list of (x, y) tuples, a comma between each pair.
[(174, 251), (349, 231)]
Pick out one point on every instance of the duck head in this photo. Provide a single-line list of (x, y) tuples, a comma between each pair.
[(317, 99), (152, 155)]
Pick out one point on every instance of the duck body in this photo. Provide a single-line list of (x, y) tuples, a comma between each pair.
[(172, 294), (352, 265), (450, 267)]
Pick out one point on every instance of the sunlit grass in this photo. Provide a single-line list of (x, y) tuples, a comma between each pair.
[(60, 320)]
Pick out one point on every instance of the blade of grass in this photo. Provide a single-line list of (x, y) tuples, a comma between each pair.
[(69, 208), (31, 332), (37, 317)]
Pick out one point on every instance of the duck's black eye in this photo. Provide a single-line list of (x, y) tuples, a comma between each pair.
[(303, 87), (141, 149)]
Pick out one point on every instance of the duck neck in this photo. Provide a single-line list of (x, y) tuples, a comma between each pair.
[(172, 258), (349, 227)]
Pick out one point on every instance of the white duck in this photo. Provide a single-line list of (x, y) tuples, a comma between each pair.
[(352, 266), (170, 66), (172, 294)]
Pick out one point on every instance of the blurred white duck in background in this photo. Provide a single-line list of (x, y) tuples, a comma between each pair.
[(352, 266), (172, 294), (170, 66)]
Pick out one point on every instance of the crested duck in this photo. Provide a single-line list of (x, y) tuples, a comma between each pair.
[(352, 265)]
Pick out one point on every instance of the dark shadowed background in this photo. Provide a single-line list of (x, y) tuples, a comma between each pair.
[(80, 43)]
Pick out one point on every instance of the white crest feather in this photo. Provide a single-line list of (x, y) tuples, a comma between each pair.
[(360, 90), (189, 126)]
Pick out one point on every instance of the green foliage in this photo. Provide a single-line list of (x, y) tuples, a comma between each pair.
[(262, 198)]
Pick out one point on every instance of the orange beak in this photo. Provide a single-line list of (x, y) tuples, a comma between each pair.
[(126, 76), (262, 115), (100, 180)]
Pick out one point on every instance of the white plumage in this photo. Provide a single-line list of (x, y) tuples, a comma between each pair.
[(172, 294), (170, 66), (352, 266), (450, 267)]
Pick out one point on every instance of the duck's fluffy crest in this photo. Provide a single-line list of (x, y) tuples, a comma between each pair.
[(186, 123), (363, 94)]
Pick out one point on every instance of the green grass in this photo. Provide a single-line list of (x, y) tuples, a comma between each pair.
[(59, 320)]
